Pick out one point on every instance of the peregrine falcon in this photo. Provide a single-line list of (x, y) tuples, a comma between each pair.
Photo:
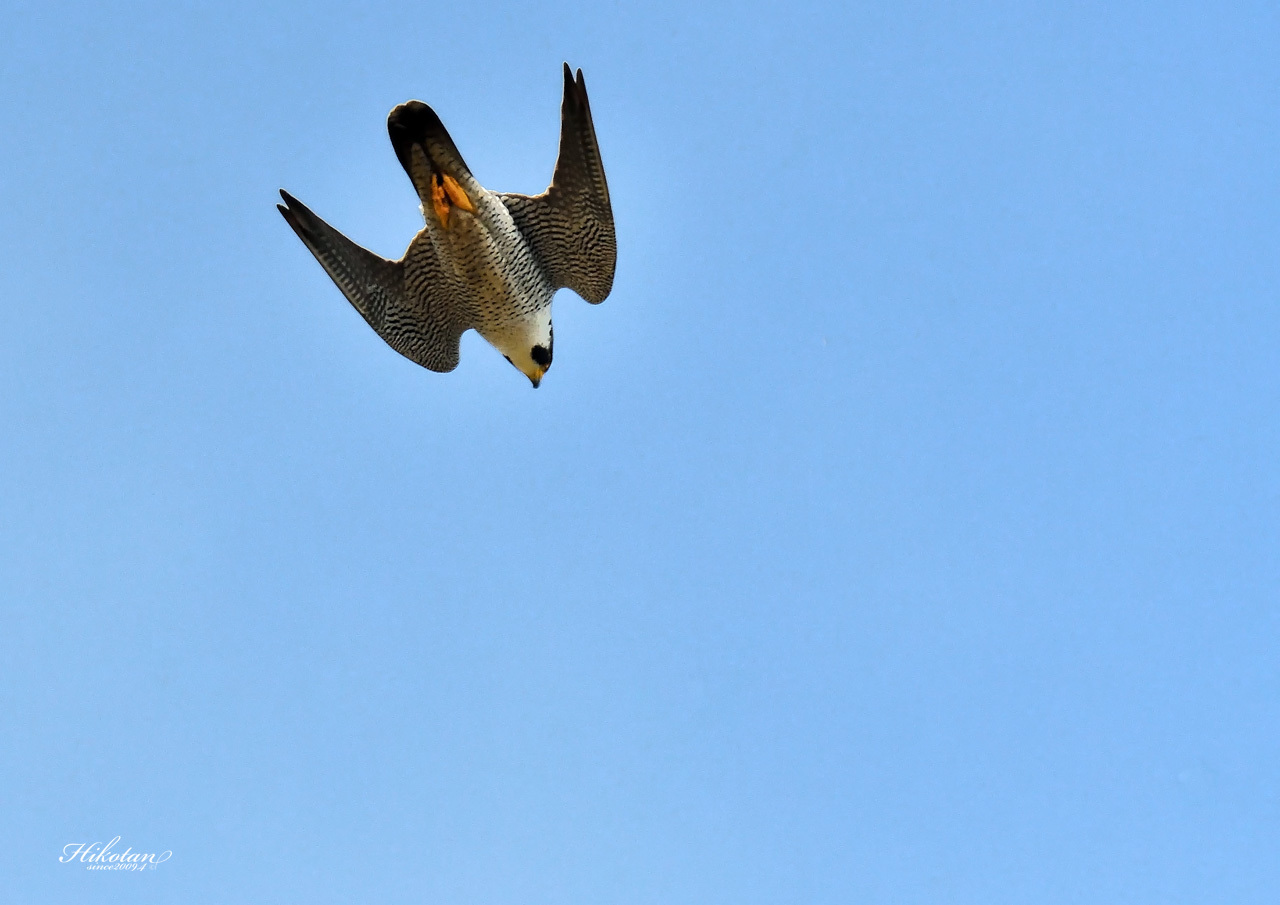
[(489, 261)]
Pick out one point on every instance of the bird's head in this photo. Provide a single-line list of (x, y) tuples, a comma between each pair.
[(527, 344)]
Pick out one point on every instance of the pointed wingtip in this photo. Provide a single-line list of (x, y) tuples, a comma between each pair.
[(292, 215), (575, 88), (289, 210), (293, 210)]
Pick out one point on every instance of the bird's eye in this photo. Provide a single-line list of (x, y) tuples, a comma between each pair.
[(540, 356)]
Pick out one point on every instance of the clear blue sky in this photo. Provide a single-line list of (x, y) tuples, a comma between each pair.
[(903, 529)]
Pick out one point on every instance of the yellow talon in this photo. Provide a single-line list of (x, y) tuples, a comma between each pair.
[(439, 203), (457, 195), (445, 191)]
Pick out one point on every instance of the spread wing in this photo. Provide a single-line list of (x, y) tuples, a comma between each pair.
[(570, 225), (408, 303)]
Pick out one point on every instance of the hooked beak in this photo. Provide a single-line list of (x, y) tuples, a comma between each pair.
[(536, 377)]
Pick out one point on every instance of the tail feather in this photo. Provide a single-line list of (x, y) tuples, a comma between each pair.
[(415, 125)]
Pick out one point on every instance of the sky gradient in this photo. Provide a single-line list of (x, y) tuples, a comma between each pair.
[(903, 529)]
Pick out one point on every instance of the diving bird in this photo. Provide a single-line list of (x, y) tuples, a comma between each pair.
[(488, 261)]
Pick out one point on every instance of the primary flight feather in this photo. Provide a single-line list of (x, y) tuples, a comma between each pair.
[(488, 261)]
